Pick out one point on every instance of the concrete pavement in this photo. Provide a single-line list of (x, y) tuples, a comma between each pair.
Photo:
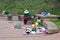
[(7, 32)]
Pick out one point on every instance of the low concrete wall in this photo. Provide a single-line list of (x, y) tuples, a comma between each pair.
[(51, 17), (51, 27)]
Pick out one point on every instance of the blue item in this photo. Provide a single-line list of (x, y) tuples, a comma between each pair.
[(46, 14), (17, 26), (34, 29)]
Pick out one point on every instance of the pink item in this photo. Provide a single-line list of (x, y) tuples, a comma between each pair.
[(22, 25), (43, 30)]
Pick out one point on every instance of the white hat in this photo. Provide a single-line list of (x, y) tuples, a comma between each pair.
[(26, 11)]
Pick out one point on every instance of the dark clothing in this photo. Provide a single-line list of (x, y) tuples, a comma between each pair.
[(25, 20), (34, 29), (9, 17), (6, 12)]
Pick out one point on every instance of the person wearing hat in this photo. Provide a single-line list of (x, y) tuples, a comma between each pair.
[(5, 12), (27, 14)]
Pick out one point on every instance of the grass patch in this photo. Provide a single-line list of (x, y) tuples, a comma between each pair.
[(57, 22), (34, 6)]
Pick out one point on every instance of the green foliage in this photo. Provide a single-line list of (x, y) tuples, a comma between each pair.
[(34, 6), (57, 22)]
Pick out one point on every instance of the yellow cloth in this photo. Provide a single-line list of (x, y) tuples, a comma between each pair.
[(33, 26), (36, 24)]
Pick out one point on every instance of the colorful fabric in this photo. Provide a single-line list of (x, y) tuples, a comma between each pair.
[(38, 21)]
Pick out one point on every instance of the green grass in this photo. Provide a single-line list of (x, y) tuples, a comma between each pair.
[(57, 22), (34, 6)]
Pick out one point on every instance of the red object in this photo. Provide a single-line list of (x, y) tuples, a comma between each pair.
[(25, 18)]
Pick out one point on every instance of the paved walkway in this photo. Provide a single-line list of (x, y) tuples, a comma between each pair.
[(7, 32)]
